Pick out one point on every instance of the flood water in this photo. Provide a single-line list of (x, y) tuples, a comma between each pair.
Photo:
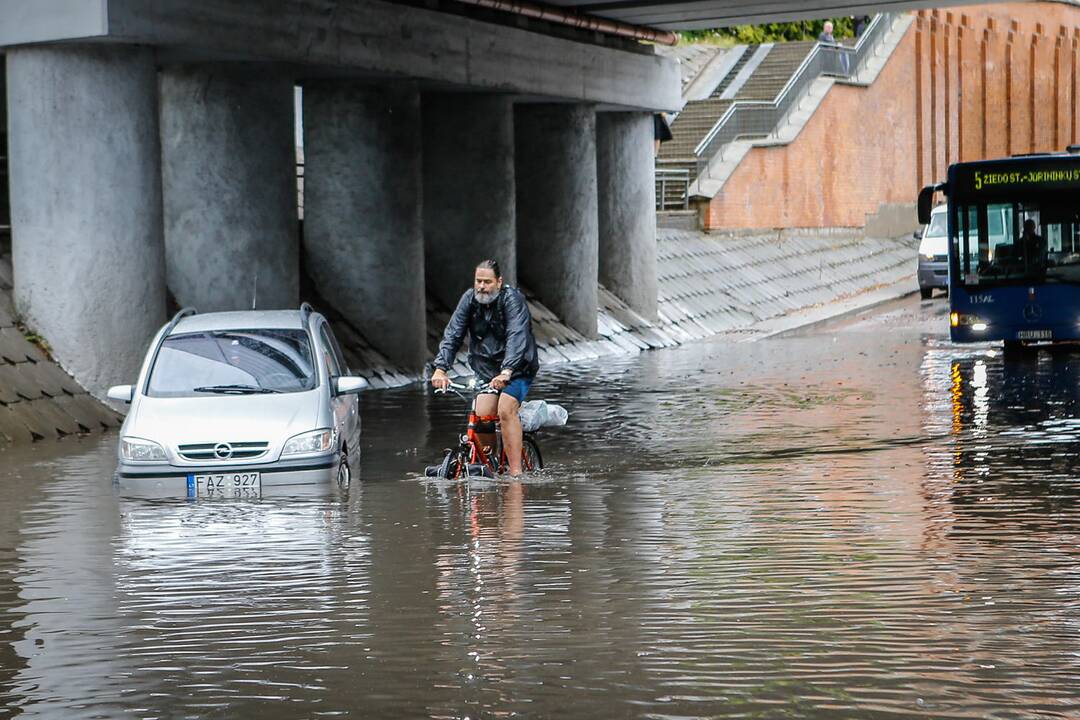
[(859, 520)]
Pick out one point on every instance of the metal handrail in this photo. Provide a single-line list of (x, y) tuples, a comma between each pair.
[(678, 179), (761, 118)]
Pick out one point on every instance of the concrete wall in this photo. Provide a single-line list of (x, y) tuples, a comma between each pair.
[(86, 205), (229, 169), (558, 245), (965, 83), (469, 199)]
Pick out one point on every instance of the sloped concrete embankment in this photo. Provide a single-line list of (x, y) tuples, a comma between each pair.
[(709, 284), (713, 283), (38, 400)]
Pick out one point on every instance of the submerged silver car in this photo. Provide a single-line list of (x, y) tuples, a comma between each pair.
[(227, 403)]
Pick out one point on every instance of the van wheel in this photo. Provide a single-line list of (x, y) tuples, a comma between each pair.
[(925, 293), (344, 473)]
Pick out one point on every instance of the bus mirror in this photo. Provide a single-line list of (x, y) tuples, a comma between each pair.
[(926, 203)]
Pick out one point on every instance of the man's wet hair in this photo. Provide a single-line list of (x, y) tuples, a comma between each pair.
[(490, 264)]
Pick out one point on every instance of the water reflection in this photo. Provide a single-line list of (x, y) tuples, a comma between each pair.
[(858, 521)]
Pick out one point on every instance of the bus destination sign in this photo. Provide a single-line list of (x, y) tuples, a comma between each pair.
[(1033, 178)]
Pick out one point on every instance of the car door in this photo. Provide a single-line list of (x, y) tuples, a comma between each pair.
[(346, 407)]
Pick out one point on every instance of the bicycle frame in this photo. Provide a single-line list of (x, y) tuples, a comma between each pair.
[(472, 437), (471, 448)]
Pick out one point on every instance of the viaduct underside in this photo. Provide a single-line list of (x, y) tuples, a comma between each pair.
[(152, 157)]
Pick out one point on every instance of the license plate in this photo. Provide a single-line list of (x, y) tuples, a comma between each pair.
[(235, 484), (1033, 335)]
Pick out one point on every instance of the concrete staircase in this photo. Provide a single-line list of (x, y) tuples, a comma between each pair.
[(716, 171), (698, 118)]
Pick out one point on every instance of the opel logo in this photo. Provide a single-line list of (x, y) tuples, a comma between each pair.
[(223, 451), (1032, 312)]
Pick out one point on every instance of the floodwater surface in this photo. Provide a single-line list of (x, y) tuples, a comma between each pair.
[(859, 520)]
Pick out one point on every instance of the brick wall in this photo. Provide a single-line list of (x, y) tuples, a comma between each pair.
[(964, 83)]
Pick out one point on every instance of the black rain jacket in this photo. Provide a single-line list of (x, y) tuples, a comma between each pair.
[(500, 336)]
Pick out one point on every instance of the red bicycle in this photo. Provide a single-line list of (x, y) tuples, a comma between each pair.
[(471, 457)]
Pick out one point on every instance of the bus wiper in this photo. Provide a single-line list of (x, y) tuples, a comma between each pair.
[(235, 389)]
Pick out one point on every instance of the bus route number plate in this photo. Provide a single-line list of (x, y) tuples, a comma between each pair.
[(1033, 335)]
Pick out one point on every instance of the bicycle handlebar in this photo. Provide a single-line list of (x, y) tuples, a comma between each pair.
[(453, 386)]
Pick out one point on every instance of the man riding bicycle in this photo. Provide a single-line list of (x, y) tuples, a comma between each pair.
[(502, 351)]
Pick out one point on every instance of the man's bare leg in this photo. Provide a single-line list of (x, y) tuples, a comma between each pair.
[(511, 432), (487, 405)]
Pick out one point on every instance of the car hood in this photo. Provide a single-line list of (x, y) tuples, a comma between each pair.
[(225, 418), (934, 246)]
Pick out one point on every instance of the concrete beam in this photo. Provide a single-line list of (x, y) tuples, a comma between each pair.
[(363, 237), (626, 191), (555, 158), (86, 205), (22, 22), (229, 177), (372, 37), (469, 212)]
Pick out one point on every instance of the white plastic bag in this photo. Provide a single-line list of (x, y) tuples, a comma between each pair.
[(536, 414)]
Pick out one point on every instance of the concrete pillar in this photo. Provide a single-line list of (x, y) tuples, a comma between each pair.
[(555, 161), (86, 204), (626, 194), (229, 180), (469, 212), (363, 238)]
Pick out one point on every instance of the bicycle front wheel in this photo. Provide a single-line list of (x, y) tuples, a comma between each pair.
[(450, 467)]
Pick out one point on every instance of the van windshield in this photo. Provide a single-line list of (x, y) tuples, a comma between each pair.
[(938, 226), (233, 362), (1008, 243)]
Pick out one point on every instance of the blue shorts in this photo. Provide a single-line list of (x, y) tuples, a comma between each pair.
[(518, 388)]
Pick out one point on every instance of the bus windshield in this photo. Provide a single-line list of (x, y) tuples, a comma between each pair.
[(1023, 242)]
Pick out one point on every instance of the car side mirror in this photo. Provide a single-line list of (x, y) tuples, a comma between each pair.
[(917, 234), (349, 384), (121, 393)]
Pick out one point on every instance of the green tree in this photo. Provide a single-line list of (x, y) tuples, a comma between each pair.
[(770, 32)]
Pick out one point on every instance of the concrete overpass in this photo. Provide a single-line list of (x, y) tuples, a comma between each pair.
[(152, 155)]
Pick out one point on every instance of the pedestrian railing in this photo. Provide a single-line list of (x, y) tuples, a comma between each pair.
[(672, 188), (761, 118)]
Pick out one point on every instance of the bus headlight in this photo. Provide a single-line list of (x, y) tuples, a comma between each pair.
[(973, 321)]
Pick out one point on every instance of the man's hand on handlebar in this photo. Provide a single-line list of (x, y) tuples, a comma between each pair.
[(439, 379)]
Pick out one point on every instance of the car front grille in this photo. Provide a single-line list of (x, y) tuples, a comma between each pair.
[(940, 258), (223, 452)]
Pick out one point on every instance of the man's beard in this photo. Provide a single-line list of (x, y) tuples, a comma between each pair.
[(486, 298)]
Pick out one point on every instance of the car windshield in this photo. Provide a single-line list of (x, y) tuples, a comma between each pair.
[(229, 362)]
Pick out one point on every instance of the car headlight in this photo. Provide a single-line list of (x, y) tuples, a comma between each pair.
[(316, 441), (139, 450)]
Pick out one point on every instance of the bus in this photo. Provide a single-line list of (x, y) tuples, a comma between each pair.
[(1014, 248)]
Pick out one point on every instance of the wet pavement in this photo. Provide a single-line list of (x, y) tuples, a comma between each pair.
[(859, 520)]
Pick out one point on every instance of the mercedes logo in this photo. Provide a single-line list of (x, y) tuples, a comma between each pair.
[(1032, 312), (223, 451)]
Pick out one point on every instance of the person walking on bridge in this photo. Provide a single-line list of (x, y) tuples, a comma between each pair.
[(502, 351)]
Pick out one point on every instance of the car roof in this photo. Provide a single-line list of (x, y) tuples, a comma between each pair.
[(939, 209), (241, 320)]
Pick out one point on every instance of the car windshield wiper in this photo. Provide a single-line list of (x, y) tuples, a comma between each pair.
[(236, 389)]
